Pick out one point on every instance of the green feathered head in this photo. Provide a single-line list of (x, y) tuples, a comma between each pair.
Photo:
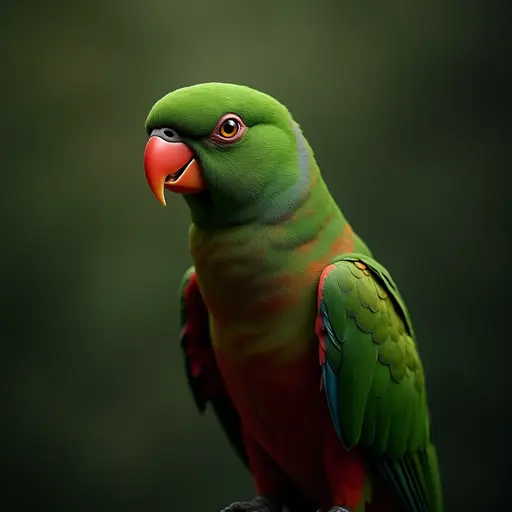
[(234, 152)]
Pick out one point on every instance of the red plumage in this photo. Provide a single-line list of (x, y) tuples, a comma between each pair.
[(293, 449)]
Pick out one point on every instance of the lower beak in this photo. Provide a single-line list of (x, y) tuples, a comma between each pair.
[(171, 165)]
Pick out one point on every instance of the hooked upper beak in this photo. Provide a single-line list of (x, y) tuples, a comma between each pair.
[(172, 165)]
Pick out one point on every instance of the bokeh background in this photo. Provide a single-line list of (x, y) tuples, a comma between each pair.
[(402, 102)]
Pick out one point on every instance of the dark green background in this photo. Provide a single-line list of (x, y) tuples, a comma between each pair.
[(402, 104)]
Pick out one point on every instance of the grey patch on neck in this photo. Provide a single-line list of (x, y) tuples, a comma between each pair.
[(287, 201), (302, 150)]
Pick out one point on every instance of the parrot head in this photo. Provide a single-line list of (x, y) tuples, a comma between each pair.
[(233, 152)]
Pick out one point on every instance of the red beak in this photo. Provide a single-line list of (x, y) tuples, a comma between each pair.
[(171, 165)]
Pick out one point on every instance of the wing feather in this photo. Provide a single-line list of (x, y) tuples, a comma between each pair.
[(373, 377)]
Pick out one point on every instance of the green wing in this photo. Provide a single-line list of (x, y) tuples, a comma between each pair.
[(374, 380)]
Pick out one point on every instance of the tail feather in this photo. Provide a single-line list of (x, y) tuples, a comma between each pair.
[(414, 480), (433, 478)]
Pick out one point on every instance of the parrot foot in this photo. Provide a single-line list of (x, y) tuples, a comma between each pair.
[(338, 509), (257, 504)]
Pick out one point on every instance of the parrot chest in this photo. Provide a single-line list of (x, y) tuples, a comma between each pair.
[(262, 307), (277, 395), (245, 280)]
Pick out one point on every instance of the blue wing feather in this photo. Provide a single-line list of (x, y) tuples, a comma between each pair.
[(331, 391)]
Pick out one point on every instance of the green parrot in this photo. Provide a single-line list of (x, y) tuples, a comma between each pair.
[(291, 329)]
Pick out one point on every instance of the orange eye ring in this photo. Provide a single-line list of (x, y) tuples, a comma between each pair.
[(229, 128)]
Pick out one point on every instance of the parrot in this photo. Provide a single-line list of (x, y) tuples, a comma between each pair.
[(291, 330)]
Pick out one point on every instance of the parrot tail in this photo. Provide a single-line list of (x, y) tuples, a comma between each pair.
[(430, 466)]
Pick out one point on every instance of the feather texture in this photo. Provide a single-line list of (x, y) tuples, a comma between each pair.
[(373, 377)]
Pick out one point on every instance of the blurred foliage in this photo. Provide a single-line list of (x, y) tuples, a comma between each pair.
[(401, 102)]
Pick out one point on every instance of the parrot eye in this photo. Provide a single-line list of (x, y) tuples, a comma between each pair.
[(229, 129)]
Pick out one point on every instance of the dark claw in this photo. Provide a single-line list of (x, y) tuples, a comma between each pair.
[(258, 504)]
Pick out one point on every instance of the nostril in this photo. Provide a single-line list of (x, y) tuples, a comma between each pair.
[(167, 134)]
